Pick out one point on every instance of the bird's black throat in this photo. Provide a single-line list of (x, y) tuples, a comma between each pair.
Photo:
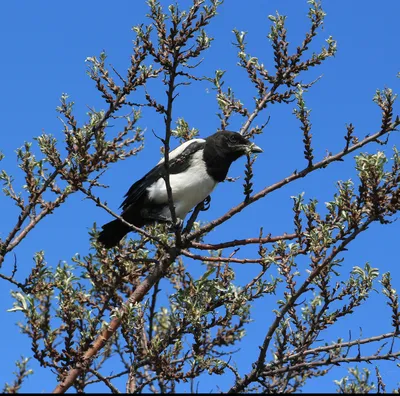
[(218, 161)]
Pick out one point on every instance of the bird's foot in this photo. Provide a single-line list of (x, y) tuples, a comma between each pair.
[(206, 204)]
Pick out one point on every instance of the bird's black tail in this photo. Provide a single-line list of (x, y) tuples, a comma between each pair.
[(112, 233)]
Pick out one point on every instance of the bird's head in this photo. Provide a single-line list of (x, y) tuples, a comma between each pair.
[(232, 144)]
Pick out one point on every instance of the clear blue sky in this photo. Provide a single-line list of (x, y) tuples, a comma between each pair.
[(44, 45)]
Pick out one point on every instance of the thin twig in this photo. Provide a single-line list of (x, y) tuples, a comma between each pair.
[(220, 259), (239, 242), (105, 380), (133, 227)]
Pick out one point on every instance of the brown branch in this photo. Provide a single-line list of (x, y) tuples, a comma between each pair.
[(168, 121), (260, 106), (105, 380), (136, 296), (14, 282), (220, 259), (25, 214), (294, 176), (241, 385), (152, 309), (9, 243), (239, 242), (110, 377), (50, 206), (329, 362), (349, 344)]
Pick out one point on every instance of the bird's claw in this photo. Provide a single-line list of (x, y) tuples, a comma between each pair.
[(179, 223), (206, 204)]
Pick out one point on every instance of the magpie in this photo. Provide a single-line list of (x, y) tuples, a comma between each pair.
[(195, 168)]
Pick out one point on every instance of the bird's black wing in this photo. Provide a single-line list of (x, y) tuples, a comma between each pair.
[(177, 164)]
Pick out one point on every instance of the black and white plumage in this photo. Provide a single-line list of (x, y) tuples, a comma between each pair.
[(195, 168)]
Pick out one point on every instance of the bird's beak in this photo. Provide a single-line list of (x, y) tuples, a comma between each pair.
[(255, 149)]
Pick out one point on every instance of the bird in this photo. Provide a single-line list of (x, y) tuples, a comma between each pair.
[(195, 169)]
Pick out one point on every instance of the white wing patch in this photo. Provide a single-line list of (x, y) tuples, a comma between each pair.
[(175, 152)]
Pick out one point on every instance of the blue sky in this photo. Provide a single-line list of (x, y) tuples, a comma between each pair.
[(44, 46)]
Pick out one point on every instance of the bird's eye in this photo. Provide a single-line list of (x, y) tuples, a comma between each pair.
[(233, 138)]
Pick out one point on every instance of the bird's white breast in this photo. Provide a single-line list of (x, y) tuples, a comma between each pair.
[(188, 188)]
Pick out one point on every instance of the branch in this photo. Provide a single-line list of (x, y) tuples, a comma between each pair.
[(5, 247), (294, 176), (341, 345), (258, 366), (239, 242), (136, 296), (221, 259), (329, 362), (168, 121), (105, 380), (122, 220)]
